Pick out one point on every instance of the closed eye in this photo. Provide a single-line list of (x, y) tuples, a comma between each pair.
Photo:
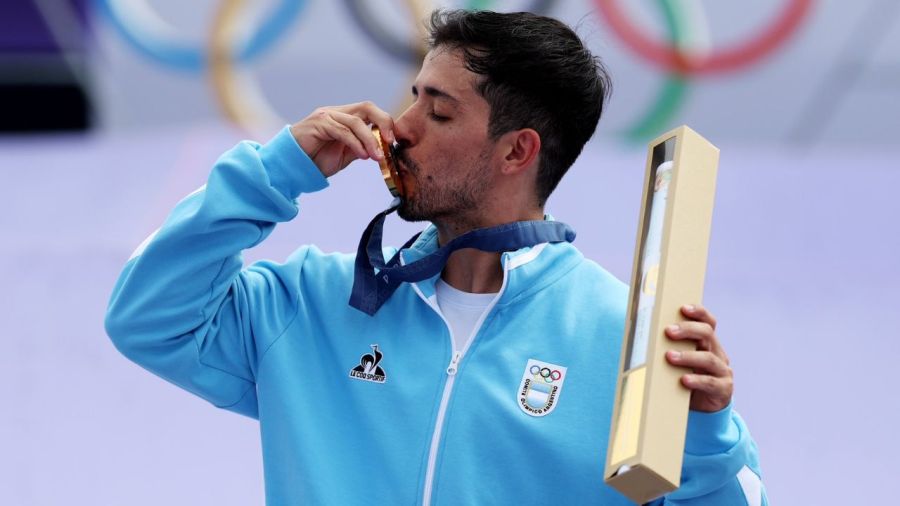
[(438, 118)]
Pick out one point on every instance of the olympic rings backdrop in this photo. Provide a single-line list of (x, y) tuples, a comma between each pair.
[(673, 61)]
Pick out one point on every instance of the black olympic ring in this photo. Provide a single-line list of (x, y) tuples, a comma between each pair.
[(390, 42)]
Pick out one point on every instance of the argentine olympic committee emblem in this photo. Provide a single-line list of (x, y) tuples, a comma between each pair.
[(368, 368), (541, 385)]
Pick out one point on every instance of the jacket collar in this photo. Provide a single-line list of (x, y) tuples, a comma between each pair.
[(527, 270)]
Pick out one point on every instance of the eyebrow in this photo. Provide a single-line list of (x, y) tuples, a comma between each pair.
[(434, 93)]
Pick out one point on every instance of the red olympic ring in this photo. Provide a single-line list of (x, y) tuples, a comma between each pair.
[(724, 60), (555, 375)]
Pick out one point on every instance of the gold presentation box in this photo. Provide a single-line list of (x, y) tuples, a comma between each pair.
[(647, 433)]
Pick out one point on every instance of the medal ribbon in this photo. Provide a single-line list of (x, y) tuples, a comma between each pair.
[(375, 280)]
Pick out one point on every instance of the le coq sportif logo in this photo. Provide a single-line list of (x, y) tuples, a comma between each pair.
[(368, 368)]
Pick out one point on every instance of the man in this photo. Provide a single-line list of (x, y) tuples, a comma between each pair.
[(410, 394)]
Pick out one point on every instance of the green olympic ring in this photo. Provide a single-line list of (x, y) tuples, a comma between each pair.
[(674, 89)]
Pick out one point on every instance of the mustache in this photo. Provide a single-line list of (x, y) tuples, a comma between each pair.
[(400, 154)]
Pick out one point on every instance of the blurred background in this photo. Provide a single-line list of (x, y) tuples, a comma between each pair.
[(112, 110)]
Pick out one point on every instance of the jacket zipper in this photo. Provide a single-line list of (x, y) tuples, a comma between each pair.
[(452, 371)]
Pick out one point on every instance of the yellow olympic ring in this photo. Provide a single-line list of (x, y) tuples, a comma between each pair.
[(241, 96)]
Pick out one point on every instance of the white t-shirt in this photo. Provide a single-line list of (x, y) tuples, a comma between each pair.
[(462, 310)]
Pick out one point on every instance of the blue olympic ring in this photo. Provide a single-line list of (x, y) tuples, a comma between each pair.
[(191, 57)]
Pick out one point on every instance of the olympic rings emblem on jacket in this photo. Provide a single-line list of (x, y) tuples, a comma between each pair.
[(545, 373)]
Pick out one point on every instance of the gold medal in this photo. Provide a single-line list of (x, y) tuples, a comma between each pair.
[(388, 166)]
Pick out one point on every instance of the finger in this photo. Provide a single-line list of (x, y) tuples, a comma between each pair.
[(703, 362), (371, 113), (382, 120), (697, 331), (699, 313), (702, 333), (715, 387), (362, 131), (341, 133)]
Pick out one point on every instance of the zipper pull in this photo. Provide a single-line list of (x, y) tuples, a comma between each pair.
[(454, 362)]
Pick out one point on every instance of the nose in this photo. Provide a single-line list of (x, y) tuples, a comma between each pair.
[(404, 128)]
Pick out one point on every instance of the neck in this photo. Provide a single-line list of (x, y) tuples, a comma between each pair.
[(472, 270)]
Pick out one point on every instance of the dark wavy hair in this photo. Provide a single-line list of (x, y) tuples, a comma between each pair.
[(536, 73)]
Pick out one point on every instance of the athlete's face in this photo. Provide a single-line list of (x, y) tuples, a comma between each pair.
[(445, 152)]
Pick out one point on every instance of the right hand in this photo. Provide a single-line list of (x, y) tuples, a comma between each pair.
[(333, 137)]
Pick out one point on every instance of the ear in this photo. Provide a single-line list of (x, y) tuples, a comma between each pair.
[(520, 149)]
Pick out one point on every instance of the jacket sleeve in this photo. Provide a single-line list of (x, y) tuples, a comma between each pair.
[(721, 464), (181, 307)]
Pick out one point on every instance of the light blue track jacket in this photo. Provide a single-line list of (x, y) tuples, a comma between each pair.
[(423, 425)]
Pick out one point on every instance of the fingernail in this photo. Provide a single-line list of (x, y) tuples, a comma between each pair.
[(689, 307), (674, 355), (379, 152), (673, 328)]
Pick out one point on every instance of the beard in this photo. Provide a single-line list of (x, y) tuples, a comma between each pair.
[(450, 200)]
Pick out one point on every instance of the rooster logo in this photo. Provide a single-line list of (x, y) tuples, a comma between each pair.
[(368, 368)]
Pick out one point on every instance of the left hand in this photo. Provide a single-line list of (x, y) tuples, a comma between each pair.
[(712, 380)]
